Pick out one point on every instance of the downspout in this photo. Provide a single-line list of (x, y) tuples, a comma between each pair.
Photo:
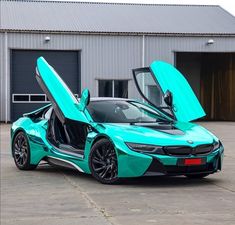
[(113, 88), (143, 51), (6, 75), (143, 61)]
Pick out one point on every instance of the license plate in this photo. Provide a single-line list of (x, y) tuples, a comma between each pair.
[(192, 162)]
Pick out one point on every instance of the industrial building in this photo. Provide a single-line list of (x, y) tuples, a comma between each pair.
[(96, 46)]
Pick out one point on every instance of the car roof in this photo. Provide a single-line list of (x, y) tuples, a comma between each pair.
[(95, 99)]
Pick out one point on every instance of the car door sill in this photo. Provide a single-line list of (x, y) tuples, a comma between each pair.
[(69, 148), (63, 163), (69, 151)]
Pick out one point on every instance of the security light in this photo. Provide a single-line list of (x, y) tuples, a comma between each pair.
[(210, 42), (47, 38)]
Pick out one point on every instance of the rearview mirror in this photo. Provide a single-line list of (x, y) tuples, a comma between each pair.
[(168, 98), (85, 99)]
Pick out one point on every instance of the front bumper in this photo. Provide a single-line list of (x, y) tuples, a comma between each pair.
[(139, 164), (168, 165)]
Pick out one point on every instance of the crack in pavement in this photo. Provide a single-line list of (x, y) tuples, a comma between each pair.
[(91, 203), (46, 217)]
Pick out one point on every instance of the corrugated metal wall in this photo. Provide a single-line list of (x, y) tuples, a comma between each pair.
[(1, 75), (4, 77), (103, 56), (163, 48)]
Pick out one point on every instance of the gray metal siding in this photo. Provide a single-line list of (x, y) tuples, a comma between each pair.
[(2, 78), (105, 56), (101, 57), (163, 48)]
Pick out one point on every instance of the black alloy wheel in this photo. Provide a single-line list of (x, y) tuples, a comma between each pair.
[(103, 162), (21, 152)]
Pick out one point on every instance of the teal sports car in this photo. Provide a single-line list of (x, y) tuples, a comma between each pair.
[(115, 138)]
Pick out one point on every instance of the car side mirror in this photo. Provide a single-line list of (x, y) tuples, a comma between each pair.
[(85, 99), (168, 98)]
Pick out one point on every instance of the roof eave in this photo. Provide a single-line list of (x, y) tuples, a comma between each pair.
[(117, 33)]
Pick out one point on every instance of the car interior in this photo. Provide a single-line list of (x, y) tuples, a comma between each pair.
[(69, 137)]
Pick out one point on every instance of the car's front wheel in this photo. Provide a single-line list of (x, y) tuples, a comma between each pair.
[(103, 162), (21, 152)]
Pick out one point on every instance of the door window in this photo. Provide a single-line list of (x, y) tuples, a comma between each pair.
[(150, 89)]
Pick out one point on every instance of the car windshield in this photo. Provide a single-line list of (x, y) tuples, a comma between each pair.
[(119, 111)]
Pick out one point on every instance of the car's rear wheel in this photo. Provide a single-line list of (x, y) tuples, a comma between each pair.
[(21, 152), (103, 162), (197, 176)]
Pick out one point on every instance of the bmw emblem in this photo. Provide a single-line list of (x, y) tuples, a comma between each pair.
[(190, 141)]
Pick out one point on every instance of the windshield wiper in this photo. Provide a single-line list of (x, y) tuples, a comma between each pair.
[(134, 122), (171, 122)]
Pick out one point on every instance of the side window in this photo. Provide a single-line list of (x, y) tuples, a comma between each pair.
[(113, 88), (149, 88)]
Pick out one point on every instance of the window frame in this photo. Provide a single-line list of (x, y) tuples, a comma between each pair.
[(137, 71)]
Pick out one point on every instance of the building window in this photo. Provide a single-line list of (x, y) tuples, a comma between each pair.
[(31, 98), (113, 88), (105, 88)]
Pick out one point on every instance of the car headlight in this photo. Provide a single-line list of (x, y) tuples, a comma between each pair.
[(216, 145), (145, 148)]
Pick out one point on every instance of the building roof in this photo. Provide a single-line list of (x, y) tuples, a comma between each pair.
[(115, 18)]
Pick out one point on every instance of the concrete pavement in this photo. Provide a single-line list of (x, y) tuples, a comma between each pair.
[(63, 197)]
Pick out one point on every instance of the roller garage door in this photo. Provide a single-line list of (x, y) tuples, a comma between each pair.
[(26, 94)]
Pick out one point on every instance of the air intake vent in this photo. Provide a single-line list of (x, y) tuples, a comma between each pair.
[(202, 149)]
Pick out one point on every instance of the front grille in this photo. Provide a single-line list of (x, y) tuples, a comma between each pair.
[(178, 150), (187, 150)]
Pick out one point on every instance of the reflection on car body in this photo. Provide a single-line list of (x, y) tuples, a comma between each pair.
[(114, 138)]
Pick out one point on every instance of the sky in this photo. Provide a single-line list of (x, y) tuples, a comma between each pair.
[(228, 5)]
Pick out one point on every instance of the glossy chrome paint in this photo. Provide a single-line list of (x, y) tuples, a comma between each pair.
[(186, 106)]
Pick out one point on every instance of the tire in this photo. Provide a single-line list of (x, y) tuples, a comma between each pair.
[(103, 162), (21, 152), (197, 176)]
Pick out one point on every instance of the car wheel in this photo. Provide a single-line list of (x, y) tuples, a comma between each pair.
[(103, 162), (197, 176), (21, 152)]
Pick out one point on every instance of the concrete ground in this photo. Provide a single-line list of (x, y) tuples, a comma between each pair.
[(62, 197)]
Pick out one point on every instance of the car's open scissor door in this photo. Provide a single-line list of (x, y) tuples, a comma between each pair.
[(64, 103), (154, 82)]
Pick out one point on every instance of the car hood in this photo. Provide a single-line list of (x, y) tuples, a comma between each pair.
[(183, 134)]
